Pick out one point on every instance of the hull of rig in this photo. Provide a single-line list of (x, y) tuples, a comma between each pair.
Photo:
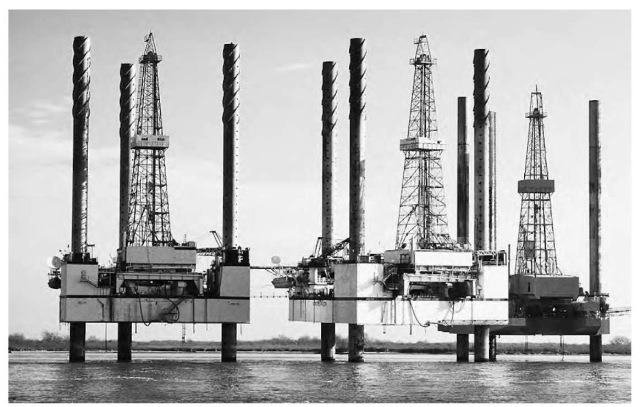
[(390, 294), (154, 279)]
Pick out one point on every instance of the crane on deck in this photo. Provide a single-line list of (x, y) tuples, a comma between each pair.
[(318, 262)]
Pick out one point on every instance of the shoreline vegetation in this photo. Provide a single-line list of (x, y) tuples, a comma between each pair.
[(617, 345)]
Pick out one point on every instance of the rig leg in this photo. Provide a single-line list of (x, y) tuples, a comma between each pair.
[(229, 341), (493, 348), (462, 348), (480, 343), (595, 348), (77, 332), (124, 341), (327, 342), (356, 343)]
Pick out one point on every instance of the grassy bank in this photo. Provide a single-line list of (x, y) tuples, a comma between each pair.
[(56, 342)]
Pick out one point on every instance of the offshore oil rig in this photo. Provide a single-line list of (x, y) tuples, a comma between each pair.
[(154, 279), (429, 278), (463, 286)]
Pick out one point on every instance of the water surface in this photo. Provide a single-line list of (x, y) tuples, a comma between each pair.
[(289, 377)]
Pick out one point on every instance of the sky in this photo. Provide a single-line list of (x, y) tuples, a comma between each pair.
[(279, 201)]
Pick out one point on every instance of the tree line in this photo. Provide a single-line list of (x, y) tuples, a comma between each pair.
[(52, 341)]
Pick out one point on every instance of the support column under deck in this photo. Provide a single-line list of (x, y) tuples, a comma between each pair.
[(327, 342), (356, 343), (462, 348), (595, 348), (480, 343), (124, 341), (493, 348), (77, 333), (229, 341)]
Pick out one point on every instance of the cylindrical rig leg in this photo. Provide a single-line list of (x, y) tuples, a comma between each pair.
[(127, 130), (480, 343), (493, 214), (594, 198), (327, 342), (80, 112), (595, 341), (77, 332), (493, 348), (462, 348), (230, 120), (357, 135), (124, 341), (480, 141), (80, 185), (357, 132), (595, 348), (329, 120), (356, 343), (463, 174), (229, 341)]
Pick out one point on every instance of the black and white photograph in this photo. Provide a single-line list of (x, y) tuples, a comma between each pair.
[(320, 204)]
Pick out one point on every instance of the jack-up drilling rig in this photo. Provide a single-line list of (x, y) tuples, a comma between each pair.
[(539, 292), (428, 278), (155, 278), (543, 300)]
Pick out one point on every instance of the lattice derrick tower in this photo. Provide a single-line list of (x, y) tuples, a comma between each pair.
[(536, 243), (149, 199), (422, 219)]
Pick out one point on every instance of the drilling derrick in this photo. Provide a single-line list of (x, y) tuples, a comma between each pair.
[(149, 200), (536, 244), (422, 221)]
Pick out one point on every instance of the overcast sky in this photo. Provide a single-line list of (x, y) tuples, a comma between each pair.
[(571, 56)]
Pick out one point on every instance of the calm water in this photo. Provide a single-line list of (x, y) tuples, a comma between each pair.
[(200, 377)]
